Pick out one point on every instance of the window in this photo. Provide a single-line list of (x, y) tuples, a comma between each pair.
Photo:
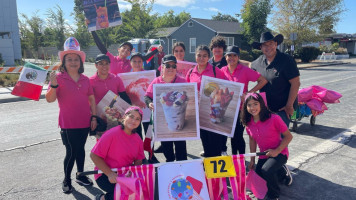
[(174, 41), (192, 44), (190, 24), (229, 41), (5, 35)]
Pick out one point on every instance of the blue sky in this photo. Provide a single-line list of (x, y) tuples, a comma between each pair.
[(197, 8)]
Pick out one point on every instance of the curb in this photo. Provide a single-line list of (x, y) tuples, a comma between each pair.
[(16, 99), (323, 65)]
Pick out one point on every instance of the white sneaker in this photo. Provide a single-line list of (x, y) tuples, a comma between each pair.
[(224, 153), (289, 179)]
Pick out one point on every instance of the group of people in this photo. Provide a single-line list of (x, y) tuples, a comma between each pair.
[(266, 119)]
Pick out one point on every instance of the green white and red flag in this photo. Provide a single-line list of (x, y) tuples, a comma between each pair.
[(30, 82)]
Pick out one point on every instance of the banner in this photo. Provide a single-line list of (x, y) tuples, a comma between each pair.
[(100, 14), (219, 105), (183, 67), (136, 84), (176, 116), (182, 181), (111, 108)]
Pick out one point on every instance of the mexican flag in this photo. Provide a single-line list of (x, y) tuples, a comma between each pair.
[(30, 82)]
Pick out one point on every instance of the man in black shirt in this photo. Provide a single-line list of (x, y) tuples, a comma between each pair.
[(282, 74)]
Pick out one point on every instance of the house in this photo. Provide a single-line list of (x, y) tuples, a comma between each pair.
[(196, 31), (347, 41), (10, 46)]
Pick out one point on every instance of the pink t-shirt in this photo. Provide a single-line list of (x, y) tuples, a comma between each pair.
[(101, 87), (267, 134), (118, 65), (195, 76), (118, 149), (241, 74), (73, 101), (159, 80)]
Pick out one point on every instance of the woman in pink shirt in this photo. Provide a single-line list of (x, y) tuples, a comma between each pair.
[(265, 129), (169, 75), (237, 72), (211, 141), (76, 106), (118, 147)]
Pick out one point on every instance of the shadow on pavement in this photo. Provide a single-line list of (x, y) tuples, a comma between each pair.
[(319, 131)]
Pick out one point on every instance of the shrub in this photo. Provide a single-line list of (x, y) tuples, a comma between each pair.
[(256, 53), (340, 51), (245, 55), (308, 54)]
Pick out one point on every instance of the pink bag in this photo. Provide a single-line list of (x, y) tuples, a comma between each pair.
[(317, 105), (318, 88), (256, 184), (305, 94), (329, 96)]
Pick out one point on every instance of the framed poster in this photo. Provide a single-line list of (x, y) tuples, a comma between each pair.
[(182, 181), (219, 105), (111, 108), (136, 84), (176, 115), (100, 14)]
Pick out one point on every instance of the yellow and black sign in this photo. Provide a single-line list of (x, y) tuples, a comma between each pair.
[(217, 167)]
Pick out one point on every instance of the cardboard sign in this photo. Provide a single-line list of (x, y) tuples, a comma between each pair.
[(218, 167)]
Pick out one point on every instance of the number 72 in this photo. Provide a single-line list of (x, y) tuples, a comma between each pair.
[(220, 162)]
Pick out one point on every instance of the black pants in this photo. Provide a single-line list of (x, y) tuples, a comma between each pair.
[(145, 127), (211, 143), (180, 150), (238, 143), (268, 170), (104, 184), (74, 140)]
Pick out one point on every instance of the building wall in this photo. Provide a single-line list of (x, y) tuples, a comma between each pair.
[(10, 46), (202, 34)]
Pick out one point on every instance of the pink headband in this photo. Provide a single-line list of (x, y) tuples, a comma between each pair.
[(255, 95), (136, 108)]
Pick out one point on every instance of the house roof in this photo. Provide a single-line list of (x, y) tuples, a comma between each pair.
[(163, 32), (221, 26)]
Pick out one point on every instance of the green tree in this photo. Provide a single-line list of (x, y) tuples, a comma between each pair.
[(169, 19), (225, 17), (81, 33), (254, 18), (307, 18), (57, 25), (31, 31)]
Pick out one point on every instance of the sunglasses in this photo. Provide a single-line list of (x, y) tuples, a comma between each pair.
[(171, 66)]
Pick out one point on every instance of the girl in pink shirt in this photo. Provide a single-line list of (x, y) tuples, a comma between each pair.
[(265, 129), (118, 147)]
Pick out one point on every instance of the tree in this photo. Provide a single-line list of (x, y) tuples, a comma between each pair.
[(169, 19), (307, 18), (254, 18), (31, 31), (57, 25), (81, 33), (225, 17)]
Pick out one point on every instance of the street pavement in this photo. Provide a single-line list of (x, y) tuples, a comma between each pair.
[(322, 156)]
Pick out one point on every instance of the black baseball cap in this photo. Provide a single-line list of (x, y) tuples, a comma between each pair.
[(169, 58), (128, 44), (101, 57), (233, 50), (136, 54)]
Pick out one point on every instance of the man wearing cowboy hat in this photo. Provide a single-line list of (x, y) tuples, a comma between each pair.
[(282, 74)]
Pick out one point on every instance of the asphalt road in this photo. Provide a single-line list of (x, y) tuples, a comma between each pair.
[(323, 168)]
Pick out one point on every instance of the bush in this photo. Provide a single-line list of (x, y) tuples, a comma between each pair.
[(341, 51), (2, 62), (245, 55), (256, 53), (308, 54)]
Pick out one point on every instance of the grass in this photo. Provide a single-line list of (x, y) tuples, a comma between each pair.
[(8, 80)]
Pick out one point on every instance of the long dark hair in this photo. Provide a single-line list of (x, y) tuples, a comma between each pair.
[(121, 121), (62, 67), (264, 114)]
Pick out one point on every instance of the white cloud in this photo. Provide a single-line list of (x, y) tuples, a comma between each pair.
[(193, 8), (123, 7), (172, 3), (211, 9)]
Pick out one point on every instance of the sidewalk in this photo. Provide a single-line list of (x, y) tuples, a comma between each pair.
[(6, 96)]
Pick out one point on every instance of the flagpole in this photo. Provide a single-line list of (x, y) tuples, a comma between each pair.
[(160, 164)]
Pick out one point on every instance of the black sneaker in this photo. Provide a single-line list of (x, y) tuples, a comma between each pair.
[(67, 186), (98, 196), (289, 179), (159, 149), (83, 180)]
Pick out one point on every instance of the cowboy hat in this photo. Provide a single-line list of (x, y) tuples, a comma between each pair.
[(71, 45), (267, 36)]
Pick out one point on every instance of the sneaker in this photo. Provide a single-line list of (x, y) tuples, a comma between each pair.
[(98, 196), (83, 180), (159, 149), (67, 186), (288, 179), (224, 153), (202, 154)]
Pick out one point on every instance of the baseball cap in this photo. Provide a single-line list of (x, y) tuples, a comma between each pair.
[(128, 44), (101, 57), (136, 54), (169, 58), (233, 50)]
